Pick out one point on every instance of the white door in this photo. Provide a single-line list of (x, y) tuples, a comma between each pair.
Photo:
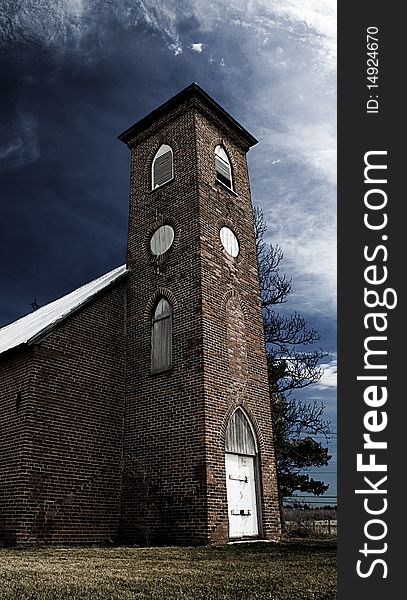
[(241, 494)]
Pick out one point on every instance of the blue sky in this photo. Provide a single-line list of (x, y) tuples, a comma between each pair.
[(75, 73)]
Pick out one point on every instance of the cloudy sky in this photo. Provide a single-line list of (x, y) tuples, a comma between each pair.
[(76, 73)]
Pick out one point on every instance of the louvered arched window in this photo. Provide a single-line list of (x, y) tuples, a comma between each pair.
[(240, 437), (223, 168), (161, 337), (162, 168)]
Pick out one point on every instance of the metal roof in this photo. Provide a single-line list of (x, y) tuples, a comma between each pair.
[(30, 327)]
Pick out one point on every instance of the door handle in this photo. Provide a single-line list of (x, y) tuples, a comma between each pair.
[(245, 479)]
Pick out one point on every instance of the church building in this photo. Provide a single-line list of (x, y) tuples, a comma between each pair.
[(136, 408)]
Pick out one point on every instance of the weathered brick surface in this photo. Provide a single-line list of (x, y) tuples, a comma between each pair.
[(15, 393), (235, 369), (165, 486), (64, 445), (175, 483)]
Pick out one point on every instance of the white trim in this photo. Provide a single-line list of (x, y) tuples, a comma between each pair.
[(250, 426), (162, 150), (221, 154)]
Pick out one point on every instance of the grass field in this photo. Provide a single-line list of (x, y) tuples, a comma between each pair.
[(295, 569)]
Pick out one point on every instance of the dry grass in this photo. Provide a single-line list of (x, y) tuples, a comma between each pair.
[(293, 570)]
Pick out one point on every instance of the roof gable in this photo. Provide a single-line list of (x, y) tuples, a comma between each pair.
[(28, 328)]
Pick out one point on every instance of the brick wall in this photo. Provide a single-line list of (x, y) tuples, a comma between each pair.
[(15, 395), (234, 358), (175, 484), (72, 418), (165, 495)]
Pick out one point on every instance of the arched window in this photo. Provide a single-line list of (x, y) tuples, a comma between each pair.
[(239, 435), (161, 337), (222, 166), (162, 168)]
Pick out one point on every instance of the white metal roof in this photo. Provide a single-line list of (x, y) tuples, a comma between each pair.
[(27, 328)]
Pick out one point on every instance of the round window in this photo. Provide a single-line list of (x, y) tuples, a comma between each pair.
[(161, 240), (229, 241)]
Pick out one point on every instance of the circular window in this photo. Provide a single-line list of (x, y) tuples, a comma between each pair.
[(229, 241), (161, 240)]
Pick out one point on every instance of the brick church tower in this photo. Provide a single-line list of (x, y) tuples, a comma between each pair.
[(198, 455)]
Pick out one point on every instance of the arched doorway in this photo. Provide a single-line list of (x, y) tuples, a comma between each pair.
[(242, 477)]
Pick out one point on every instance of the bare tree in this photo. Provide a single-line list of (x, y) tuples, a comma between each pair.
[(293, 364)]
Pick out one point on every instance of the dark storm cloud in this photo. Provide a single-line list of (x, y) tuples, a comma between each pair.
[(71, 82), (60, 179), (75, 73), (64, 174)]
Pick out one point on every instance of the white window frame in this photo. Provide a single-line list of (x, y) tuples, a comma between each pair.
[(162, 150), (221, 154), (247, 420)]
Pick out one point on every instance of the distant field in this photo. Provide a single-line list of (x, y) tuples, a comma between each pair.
[(310, 527), (292, 570)]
